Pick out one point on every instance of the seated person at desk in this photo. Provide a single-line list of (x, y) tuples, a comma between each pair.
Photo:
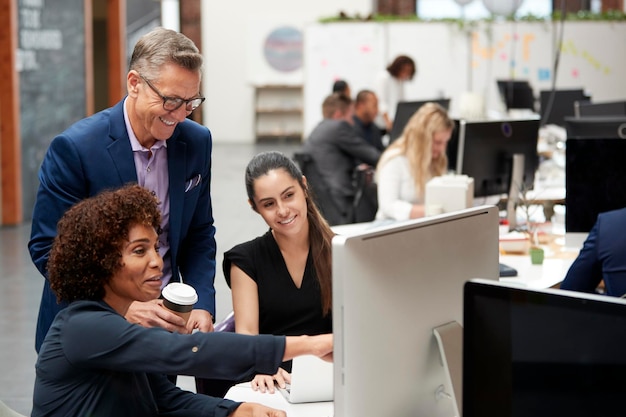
[(281, 281), (93, 362), (342, 87), (365, 112), (602, 258), (337, 150), (390, 86), (405, 167)]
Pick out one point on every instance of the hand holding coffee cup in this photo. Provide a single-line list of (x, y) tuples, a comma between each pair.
[(179, 298)]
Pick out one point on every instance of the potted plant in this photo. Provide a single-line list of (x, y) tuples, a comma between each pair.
[(529, 206)]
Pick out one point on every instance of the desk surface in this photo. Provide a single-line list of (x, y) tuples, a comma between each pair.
[(558, 259), (547, 275), (244, 393)]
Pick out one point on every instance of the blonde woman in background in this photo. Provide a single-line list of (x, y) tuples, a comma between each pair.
[(411, 161)]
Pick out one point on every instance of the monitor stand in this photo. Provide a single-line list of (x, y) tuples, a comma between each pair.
[(450, 342), (517, 182)]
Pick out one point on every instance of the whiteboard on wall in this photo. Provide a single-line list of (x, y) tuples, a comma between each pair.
[(451, 61), (440, 52), (593, 56), (350, 51), (510, 50)]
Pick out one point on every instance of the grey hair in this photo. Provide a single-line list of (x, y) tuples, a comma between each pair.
[(162, 46)]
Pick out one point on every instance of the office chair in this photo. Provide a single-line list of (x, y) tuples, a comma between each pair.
[(319, 190), (226, 325), (365, 203)]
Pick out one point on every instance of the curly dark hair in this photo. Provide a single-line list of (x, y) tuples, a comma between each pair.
[(86, 251), (400, 62)]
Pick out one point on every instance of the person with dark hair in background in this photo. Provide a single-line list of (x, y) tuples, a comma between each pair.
[(281, 281), (365, 113), (342, 87), (390, 88), (405, 167), (94, 362), (337, 150), (147, 139)]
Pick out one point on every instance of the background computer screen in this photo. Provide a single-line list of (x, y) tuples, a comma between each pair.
[(595, 173), (542, 353), (391, 287), (596, 126), (607, 108), (516, 94), (484, 151), (555, 105), (406, 109)]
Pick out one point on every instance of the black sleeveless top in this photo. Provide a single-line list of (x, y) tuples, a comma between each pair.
[(284, 309)]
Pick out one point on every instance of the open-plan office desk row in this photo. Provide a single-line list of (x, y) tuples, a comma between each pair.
[(549, 274)]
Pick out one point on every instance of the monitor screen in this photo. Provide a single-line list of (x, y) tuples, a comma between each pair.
[(608, 108), (542, 353), (596, 126), (595, 173), (484, 151), (555, 105), (516, 94), (406, 109), (392, 286)]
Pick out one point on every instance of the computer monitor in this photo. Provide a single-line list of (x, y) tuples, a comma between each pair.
[(596, 126), (406, 109), (484, 151), (392, 286), (607, 108), (555, 105), (542, 353), (516, 94), (595, 172)]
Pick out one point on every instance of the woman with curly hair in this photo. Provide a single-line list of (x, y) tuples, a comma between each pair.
[(95, 363), (405, 167)]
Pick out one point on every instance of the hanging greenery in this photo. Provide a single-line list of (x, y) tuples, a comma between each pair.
[(611, 15)]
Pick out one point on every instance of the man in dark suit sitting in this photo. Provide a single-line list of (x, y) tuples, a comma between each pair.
[(365, 112), (337, 150), (602, 257)]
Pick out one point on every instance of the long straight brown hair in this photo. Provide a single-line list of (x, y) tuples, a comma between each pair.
[(320, 233)]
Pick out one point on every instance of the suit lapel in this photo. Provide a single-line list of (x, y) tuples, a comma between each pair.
[(177, 171), (119, 149)]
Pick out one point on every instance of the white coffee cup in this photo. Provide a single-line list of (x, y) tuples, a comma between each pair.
[(179, 298), (433, 209)]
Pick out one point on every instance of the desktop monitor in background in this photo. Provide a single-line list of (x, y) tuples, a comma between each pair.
[(392, 286), (516, 94), (555, 105), (484, 151), (595, 181), (596, 126), (607, 108), (542, 353), (406, 109)]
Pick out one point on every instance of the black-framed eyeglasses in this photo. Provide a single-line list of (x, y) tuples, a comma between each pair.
[(173, 103)]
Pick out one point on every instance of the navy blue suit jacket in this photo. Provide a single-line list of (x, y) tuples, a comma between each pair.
[(603, 257), (95, 154)]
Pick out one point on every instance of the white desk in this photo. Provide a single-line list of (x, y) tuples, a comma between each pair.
[(244, 393), (549, 274)]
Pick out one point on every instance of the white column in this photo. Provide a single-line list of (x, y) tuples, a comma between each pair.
[(170, 14)]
